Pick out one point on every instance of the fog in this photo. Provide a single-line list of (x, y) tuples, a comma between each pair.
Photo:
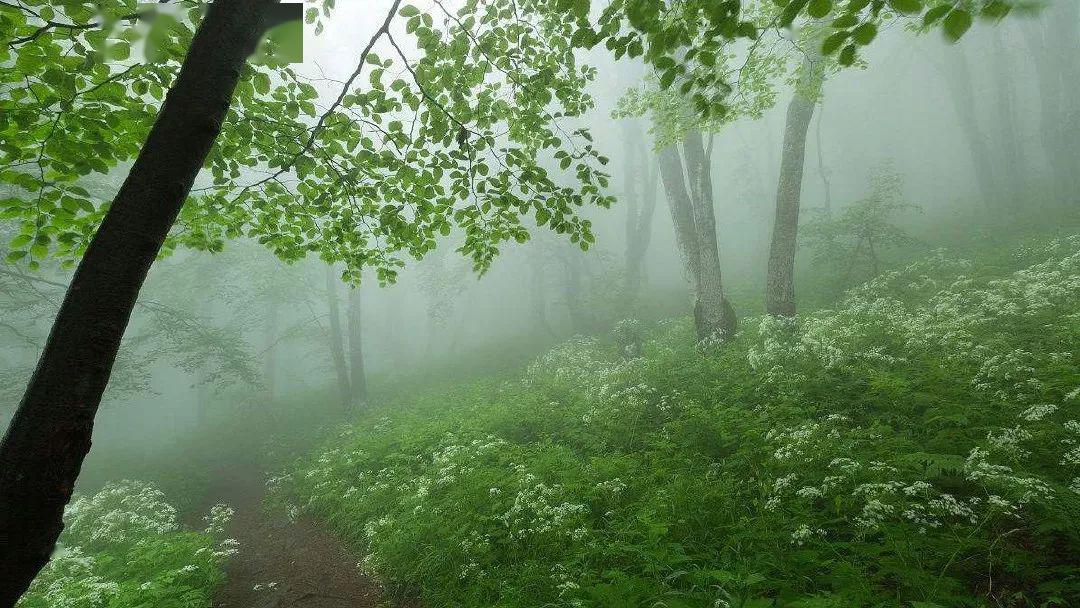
[(235, 359), (895, 110)]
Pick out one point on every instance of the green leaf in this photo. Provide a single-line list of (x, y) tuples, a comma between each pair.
[(262, 83), (956, 24), (845, 21), (791, 11), (819, 8), (408, 11), (668, 78), (906, 7), (935, 14), (833, 43), (865, 33), (120, 51), (847, 56)]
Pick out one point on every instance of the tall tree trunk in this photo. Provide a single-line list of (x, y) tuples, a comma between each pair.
[(1065, 31), (961, 88), (357, 374), (538, 292), (202, 378), (49, 435), (335, 340), (580, 319), (823, 171), (780, 277), (270, 354), (690, 198), (1053, 42), (1010, 147), (640, 209)]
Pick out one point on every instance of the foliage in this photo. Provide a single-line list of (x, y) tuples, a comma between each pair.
[(914, 446), (460, 140), (168, 325), (686, 42), (123, 548), (851, 242)]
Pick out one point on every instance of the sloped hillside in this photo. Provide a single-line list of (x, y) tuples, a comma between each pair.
[(916, 445)]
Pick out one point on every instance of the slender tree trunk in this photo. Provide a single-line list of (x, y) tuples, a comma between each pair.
[(640, 209), (713, 314), (572, 292), (1054, 42), (336, 341), (49, 435), (1065, 32), (538, 293), (1051, 93), (823, 172), (270, 355), (689, 195), (1010, 148), (780, 277), (202, 379), (357, 374), (958, 77)]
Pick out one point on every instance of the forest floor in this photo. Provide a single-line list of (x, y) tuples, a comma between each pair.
[(283, 563)]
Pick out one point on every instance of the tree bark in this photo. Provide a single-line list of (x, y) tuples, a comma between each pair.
[(1010, 146), (690, 198), (538, 298), (1052, 44), (336, 341), (640, 209), (573, 292), (270, 355), (780, 277), (50, 434), (962, 92), (357, 374)]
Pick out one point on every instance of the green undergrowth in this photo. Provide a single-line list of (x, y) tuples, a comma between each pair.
[(124, 548), (915, 445)]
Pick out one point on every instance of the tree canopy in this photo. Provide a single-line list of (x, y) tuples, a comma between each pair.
[(456, 117)]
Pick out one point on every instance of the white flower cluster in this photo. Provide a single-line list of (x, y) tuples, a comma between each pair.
[(103, 528), (122, 511), (931, 308), (539, 509)]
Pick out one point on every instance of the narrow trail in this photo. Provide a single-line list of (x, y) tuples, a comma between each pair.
[(283, 564)]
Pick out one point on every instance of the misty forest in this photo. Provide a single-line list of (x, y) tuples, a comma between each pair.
[(540, 303)]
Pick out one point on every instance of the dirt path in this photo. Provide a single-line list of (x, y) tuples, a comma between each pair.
[(283, 564)]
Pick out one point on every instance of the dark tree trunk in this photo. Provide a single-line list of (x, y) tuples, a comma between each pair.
[(823, 171), (958, 77), (203, 394), (335, 339), (1053, 42), (1010, 147), (538, 292), (640, 209), (1065, 31), (780, 277), (573, 292), (49, 435), (270, 355), (690, 197), (357, 375)]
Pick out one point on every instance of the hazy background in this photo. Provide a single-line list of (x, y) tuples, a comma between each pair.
[(176, 380)]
